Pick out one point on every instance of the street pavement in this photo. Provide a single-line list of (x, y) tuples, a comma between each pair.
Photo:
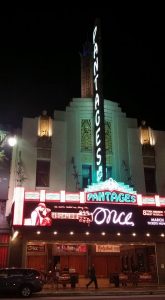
[(111, 291)]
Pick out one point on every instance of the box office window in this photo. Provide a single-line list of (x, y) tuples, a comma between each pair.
[(42, 173)]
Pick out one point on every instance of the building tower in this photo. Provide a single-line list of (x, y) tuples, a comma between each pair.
[(86, 71), (147, 141)]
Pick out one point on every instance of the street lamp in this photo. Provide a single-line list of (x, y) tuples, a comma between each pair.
[(7, 138), (12, 141)]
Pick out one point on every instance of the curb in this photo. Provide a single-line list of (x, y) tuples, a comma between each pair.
[(101, 292)]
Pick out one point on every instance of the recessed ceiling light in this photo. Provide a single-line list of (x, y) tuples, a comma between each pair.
[(103, 233), (87, 233)]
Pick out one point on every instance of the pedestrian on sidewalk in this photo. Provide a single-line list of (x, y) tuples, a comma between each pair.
[(92, 276)]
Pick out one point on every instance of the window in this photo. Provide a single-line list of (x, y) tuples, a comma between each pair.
[(150, 182), (86, 175), (44, 125), (42, 173), (108, 172)]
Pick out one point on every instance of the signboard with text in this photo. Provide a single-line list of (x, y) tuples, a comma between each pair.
[(93, 216), (35, 248), (99, 130)]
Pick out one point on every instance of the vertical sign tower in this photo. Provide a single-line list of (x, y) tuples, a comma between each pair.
[(99, 130)]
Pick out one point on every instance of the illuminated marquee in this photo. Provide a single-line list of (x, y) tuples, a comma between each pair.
[(155, 217), (89, 208), (104, 215), (98, 111), (114, 196)]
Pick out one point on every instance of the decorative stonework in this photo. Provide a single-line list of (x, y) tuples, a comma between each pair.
[(108, 137), (86, 135), (20, 172)]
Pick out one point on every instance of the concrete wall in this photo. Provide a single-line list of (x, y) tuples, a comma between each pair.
[(160, 161), (58, 157), (29, 151), (136, 161), (79, 109)]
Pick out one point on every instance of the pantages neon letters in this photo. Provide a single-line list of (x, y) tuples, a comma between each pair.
[(97, 109), (114, 196), (104, 215)]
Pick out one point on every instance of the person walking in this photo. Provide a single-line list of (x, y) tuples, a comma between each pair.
[(92, 276)]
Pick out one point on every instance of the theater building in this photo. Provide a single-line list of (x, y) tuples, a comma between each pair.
[(80, 194)]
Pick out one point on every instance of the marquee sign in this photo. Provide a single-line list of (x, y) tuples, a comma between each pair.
[(114, 196), (105, 205), (100, 161), (92, 216), (110, 191)]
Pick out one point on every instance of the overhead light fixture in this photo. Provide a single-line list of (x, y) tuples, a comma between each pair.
[(15, 234), (103, 233), (87, 233)]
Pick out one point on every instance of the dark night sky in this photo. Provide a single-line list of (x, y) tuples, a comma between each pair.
[(40, 62)]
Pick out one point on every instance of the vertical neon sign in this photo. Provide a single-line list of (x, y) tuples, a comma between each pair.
[(100, 158)]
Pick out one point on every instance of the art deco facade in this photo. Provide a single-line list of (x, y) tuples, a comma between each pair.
[(54, 163)]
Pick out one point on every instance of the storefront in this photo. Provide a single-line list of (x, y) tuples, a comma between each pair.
[(107, 258), (107, 224)]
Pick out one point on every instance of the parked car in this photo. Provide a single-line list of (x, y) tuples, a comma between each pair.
[(23, 281)]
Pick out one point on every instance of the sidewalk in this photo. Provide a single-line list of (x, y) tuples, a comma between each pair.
[(105, 291)]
